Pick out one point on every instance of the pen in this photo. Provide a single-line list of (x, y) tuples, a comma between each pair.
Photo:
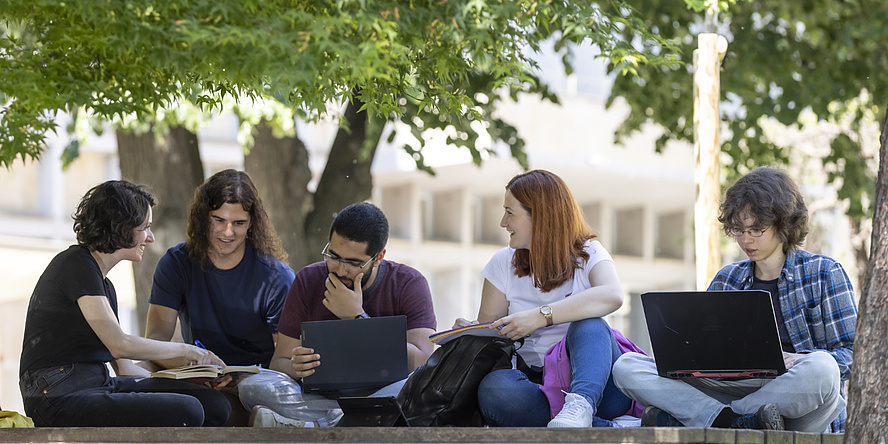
[(197, 343)]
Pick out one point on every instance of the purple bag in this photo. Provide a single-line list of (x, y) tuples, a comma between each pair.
[(556, 373)]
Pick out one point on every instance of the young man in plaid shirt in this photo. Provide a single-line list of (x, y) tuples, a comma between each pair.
[(816, 317)]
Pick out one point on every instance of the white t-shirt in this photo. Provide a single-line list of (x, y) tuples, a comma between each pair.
[(522, 295)]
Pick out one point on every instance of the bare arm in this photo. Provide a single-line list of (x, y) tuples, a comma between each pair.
[(292, 358), (101, 319), (161, 323), (126, 367), (494, 304), (419, 348), (161, 326), (603, 297)]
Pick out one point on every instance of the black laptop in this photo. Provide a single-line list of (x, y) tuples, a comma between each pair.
[(714, 334), (371, 412), (357, 355)]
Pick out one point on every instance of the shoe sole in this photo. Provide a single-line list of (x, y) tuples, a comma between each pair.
[(564, 425), (770, 419), (649, 417)]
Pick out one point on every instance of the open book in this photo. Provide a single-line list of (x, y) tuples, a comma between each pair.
[(207, 373), (443, 337)]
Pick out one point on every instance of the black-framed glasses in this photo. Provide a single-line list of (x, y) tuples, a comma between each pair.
[(754, 232), (349, 265)]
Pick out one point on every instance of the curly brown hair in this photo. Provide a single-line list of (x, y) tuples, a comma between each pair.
[(230, 186), (558, 229), (109, 212), (773, 199)]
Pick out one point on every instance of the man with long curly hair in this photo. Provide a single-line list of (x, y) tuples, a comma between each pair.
[(227, 282)]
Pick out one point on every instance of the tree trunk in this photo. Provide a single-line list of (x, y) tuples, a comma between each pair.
[(173, 169), (868, 410), (346, 178), (279, 168)]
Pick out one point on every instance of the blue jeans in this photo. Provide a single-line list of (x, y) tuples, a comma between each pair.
[(85, 395), (508, 398), (808, 394)]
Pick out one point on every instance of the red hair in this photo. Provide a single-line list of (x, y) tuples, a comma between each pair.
[(558, 229)]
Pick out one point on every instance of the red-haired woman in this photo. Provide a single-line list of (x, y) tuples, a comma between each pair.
[(553, 280)]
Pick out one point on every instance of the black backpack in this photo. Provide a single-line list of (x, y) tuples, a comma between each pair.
[(444, 390)]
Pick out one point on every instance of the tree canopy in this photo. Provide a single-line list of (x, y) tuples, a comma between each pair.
[(784, 59), (117, 58)]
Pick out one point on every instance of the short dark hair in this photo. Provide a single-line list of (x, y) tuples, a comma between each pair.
[(773, 199), (364, 223), (234, 187), (109, 212)]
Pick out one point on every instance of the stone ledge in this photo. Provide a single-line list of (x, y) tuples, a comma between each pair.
[(638, 435)]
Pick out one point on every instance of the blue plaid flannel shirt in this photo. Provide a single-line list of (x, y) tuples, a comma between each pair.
[(817, 301)]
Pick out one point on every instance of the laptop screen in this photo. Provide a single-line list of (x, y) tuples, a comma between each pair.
[(356, 354), (713, 334)]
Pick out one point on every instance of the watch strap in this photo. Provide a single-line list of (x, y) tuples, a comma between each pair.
[(547, 313)]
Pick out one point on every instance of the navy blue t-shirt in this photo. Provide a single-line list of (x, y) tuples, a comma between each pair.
[(232, 312)]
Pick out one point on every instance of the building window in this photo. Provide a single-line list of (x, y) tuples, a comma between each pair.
[(488, 212), (670, 235), (629, 232), (396, 206), (443, 216), (592, 213)]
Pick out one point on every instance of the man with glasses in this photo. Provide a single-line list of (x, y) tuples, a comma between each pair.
[(352, 281), (816, 315)]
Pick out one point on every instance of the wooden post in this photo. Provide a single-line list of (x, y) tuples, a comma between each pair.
[(707, 58)]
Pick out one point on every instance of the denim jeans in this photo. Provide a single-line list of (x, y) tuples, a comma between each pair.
[(279, 392), (85, 395), (508, 398), (808, 394)]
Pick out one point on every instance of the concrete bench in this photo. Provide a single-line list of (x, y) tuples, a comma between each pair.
[(640, 435)]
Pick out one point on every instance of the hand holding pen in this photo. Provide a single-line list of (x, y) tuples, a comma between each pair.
[(204, 356)]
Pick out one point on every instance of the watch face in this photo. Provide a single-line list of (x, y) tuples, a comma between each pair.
[(545, 309)]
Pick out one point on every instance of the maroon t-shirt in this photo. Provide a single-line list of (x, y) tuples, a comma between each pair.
[(398, 290)]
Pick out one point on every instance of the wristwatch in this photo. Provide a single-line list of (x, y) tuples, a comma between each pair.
[(363, 316), (547, 313)]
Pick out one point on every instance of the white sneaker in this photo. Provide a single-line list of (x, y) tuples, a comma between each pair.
[(262, 416), (577, 412)]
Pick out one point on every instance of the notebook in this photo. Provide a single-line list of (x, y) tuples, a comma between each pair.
[(357, 355), (716, 334)]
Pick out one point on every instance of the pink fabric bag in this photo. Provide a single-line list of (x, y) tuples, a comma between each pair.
[(556, 373)]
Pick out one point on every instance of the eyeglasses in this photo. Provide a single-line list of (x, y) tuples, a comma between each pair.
[(754, 232), (349, 265)]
